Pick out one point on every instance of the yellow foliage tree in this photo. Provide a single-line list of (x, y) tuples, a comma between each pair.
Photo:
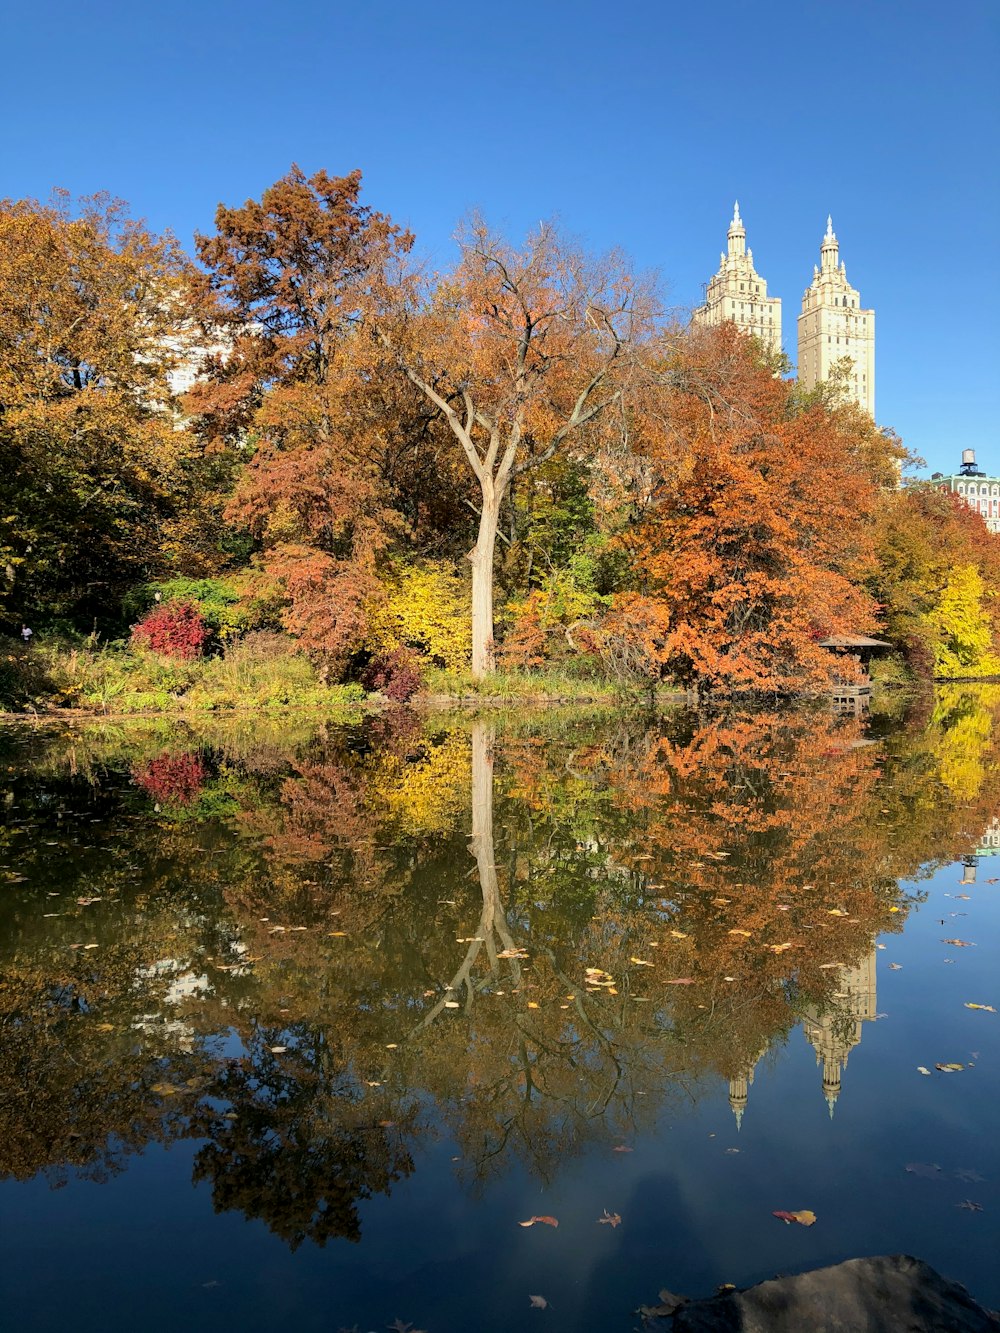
[(425, 607), (962, 631)]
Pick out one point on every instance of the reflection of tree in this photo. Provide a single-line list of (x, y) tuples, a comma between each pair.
[(325, 906), (300, 1149)]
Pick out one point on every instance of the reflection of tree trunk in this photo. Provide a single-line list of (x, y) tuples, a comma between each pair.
[(492, 922)]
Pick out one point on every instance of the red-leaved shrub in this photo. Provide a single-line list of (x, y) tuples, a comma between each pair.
[(395, 674), (171, 779), (173, 629)]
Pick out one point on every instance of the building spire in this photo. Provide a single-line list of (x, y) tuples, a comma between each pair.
[(829, 227), (737, 220), (736, 235)]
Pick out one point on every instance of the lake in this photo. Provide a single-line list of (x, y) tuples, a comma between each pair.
[(301, 1026)]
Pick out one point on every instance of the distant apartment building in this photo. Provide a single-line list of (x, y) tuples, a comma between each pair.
[(971, 484), (739, 293), (833, 328)]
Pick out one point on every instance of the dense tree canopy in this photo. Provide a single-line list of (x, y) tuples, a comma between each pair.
[(370, 452)]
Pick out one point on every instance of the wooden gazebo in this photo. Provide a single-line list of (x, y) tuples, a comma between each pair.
[(851, 693)]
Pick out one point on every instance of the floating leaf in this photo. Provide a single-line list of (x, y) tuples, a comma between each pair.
[(922, 1069), (949, 1068), (678, 935), (805, 1217), (278, 1050), (744, 933), (538, 1302), (837, 911), (969, 1206), (778, 948), (510, 953), (640, 962), (622, 1147), (959, 944), (681, 981), (895, 967), (609, 1219), (547, 1221), (987, 1008), (452, 1004)]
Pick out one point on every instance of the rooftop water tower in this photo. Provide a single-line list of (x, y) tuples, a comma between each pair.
[(969, 468)]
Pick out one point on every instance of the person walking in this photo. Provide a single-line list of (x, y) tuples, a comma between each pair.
[(26, 635)]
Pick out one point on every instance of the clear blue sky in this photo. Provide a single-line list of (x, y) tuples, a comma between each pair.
[(636, 123)]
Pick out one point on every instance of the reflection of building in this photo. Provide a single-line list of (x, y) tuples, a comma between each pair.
[(835, 1033), (739, 1089), (974, 488), (989, 845), (739, 293)]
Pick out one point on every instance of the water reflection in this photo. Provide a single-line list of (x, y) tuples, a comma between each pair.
[(311, 953)]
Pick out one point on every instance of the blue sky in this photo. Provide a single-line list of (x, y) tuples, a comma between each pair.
[(636, 124)]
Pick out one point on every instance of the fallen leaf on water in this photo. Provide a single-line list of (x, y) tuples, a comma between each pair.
[(725, 1286), (681, 981), (548, 1221), (778, 948), (949, 1068), (922, 1069), (969, 1206), (927, 1170), (640, 962), (278, 1050), (164, 1089), (824, 966), (511, 953), (336, 934), (609, 1219), (622, 1147), (532, 1004), (895, 967), (732, 1150), (452, 1004), (966, 897), (745, 933), (538, 1302), (105, 1027), (988, 1008), (721, 902), (805, 1216), (959, 944), (836, 911)]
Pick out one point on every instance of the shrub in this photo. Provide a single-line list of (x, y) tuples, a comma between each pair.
[(395, 674), (172, 629)]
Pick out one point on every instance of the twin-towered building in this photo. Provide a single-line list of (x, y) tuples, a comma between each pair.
[(833, 327)]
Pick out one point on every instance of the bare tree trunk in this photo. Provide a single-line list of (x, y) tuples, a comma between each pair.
[(481, 558)]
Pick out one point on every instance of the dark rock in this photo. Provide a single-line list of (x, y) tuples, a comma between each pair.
[(888, 1294)]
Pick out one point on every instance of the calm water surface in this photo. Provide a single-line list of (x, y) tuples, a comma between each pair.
[(297, 1023)]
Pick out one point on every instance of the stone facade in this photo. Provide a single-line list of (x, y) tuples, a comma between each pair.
[(975, 488), (833, 326), (739, 293)]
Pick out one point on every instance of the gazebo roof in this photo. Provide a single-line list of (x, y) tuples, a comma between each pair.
[(852, 641)]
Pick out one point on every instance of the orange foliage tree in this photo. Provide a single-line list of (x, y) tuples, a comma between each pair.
[(754, 517)]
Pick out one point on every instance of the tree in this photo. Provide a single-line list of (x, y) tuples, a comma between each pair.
[(937, 576), (520, 351), (90, 450), (752, 519)]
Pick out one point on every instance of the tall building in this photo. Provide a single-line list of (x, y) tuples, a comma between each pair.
[(974, 488), (739, 293), (833, 326)]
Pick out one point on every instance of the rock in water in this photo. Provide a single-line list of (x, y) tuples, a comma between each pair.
[(888, 1294)]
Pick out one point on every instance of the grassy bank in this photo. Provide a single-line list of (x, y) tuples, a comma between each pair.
[(261, 672)]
